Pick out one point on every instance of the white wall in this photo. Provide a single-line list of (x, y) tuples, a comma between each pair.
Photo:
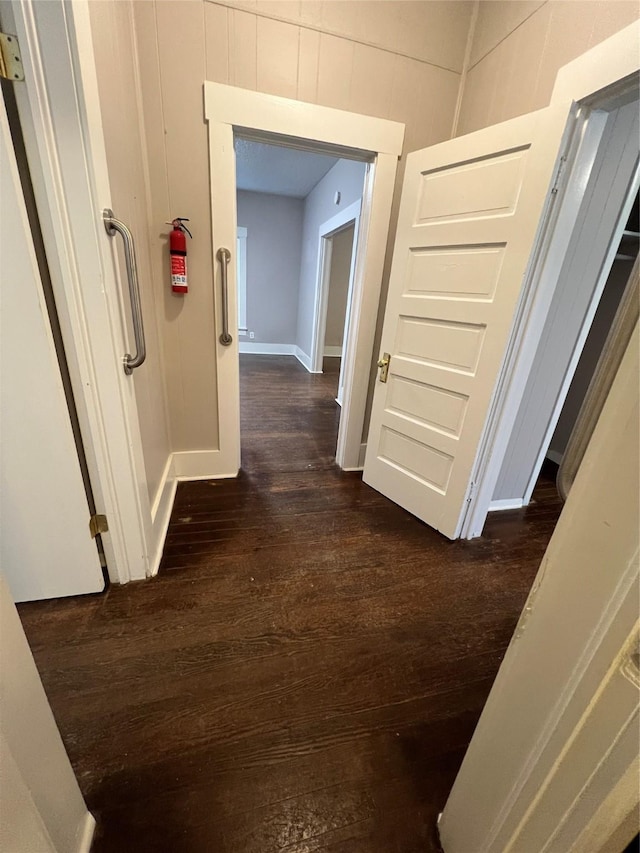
[(347, 178), (41, 806), (342, 248), (274, 241)]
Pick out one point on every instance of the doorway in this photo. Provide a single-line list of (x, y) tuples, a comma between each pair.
[(298, 215), (591, 284)]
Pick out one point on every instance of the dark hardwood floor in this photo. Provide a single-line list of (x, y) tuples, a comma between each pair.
[(307, 669)]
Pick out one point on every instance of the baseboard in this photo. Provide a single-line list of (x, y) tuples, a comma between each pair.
[(333, 352), (506, 503), (267, 349), (86, 833), (161, 513), (304, 359), (200, 465), (554, 456), (184, 465), (361, 455)]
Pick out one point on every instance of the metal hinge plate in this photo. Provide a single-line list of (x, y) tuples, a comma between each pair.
[(98, 524), (10, 58)]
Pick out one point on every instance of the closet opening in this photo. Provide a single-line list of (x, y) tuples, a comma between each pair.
[(594, 277)]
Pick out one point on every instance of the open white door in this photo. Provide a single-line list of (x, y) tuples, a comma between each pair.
[(468, 219), (46, 549)]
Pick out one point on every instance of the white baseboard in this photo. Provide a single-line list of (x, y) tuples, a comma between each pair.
[(85, 836), (161, 514), (200, 465), (181, 466), (361, 455), (305, 360), (333, 352), (554, 456), (267, 349), (506, 503)]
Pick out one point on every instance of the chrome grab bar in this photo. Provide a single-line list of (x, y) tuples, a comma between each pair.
[(224, 256), (113, 226)]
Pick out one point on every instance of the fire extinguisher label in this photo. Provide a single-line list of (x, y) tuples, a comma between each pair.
[(178, 271)]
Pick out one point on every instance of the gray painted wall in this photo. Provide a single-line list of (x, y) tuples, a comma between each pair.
[(602, 321), (346, 177), (338, 286), (274, 239)]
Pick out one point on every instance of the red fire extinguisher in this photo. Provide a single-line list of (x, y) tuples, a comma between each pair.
[(178, 250)]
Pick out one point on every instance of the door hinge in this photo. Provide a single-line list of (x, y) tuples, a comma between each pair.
[(10, 59), (556, 183), (98, 524), (471, 491)]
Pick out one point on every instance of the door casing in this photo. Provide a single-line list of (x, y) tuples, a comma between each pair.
[(321, 128)]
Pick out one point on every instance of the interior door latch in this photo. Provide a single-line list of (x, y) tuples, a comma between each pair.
[(383, 364)]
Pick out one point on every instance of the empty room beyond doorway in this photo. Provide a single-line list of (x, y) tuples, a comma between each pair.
[(297, 218)]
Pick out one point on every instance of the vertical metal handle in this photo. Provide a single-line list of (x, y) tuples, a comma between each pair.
[(113, 226), (224, 256)]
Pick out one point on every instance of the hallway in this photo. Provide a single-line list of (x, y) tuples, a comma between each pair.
[(307, 669)]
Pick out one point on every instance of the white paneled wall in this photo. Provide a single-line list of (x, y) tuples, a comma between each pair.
[(398, 60), (114, 47), (518, 48)]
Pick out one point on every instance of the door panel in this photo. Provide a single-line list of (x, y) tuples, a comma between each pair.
[(468, 218), (46, 550)]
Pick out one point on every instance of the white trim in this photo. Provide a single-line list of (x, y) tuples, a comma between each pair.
[(321, 128), (507, 503), (304, 360), (273, 114), (554, 456), (200, 465), (332, 352), (161, 513), (87, 831), (598, 69), (327, 230), (361, 456), (60, 115), (241, 240), (267, 349)]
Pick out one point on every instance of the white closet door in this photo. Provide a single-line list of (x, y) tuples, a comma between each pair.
[(46, 549), (468, 218)]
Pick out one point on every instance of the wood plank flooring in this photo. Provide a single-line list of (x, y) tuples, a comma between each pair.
[(307, 669)]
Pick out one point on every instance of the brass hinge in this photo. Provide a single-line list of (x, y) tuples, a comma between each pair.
[(98, 524), (10, 58)]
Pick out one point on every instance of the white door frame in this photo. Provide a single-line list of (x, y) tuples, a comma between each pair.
[(323, 128), (60, 114), (326, 231), (578, 86), (242, 279)]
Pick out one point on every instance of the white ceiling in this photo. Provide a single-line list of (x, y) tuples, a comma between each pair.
[(273, 169)]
